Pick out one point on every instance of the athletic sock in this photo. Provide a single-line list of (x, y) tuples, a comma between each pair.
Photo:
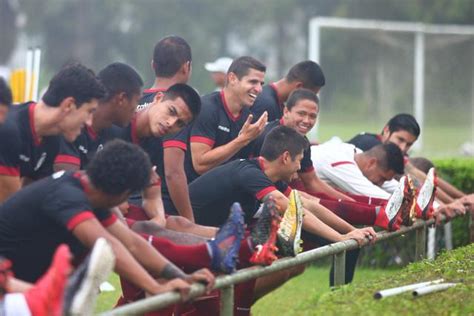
[(353, 212)]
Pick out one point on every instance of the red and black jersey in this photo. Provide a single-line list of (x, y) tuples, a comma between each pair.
[(83, 149), (256, 146), (242, 180), (365, 141), (267, 100), (22, 152), (214, 126), (40, 217)]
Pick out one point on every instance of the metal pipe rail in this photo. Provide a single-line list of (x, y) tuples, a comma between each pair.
[(226, 282)]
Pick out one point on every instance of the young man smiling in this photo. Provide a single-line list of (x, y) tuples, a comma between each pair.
[(224, 125)]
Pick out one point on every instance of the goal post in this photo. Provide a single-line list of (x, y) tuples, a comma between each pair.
[(419, 32)]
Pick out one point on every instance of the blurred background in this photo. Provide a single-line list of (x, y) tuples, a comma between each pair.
[(369, 74)]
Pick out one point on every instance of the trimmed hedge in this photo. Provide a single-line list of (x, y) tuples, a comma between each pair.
[(460, 173)]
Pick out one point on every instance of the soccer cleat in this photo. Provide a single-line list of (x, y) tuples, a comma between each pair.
[(426, 195), (289, 241), (390, 214), (46, 296), (5, 274), (226, 244), (408, 205), (83, 285), (264, 233)]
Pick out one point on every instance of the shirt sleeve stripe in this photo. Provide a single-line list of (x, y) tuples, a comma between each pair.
[(79, 218), (109, 220), (175, 144), (261, 194), (10, 171), (335, 164), (67, 159), (202, 139)]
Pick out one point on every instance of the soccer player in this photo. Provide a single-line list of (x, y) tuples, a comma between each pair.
[(403, 130), (73, 208), (224, 125), (30, 135), (300, 113), (254, 180), (306, 74), (171, 64), (172, 59)]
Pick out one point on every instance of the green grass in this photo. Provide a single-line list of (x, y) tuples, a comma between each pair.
[(312, 283), (309, 293), (299, 293), (356, 299)]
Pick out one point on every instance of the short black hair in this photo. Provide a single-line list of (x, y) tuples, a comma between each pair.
[(308, 72), (422, 163), (241, 66), (190, 97), (119, 167), (389, 157), (74, 80), (404, 122), (169, 54), (301, 94), (5, 93), (120, 77), (281, 139)]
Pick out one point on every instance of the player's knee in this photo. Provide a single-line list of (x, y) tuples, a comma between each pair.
[(295, 271), (174, 222)]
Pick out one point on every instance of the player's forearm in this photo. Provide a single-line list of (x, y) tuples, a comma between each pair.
[(147, 256), (327, 216), (216, 156), (127, 267), (449, 189), (315, 226), (179, 193), (443, 197), (318, 185)]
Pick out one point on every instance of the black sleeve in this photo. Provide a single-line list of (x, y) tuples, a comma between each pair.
[(10, 144), (204, 129), (67, 205), (254, 181), (178, 140), (68, 152)]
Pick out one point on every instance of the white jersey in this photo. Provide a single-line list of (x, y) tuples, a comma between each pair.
[(335, 164)]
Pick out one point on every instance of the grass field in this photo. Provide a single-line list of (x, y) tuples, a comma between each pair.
[(286, 300)]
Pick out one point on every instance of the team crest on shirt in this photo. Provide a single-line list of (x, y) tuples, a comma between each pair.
[(24, 158), (82, 149), (58, 174), (224, 128), (100, 147), (40, 161)]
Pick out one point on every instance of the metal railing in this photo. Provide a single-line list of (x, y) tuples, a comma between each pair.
[(226, 283)]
